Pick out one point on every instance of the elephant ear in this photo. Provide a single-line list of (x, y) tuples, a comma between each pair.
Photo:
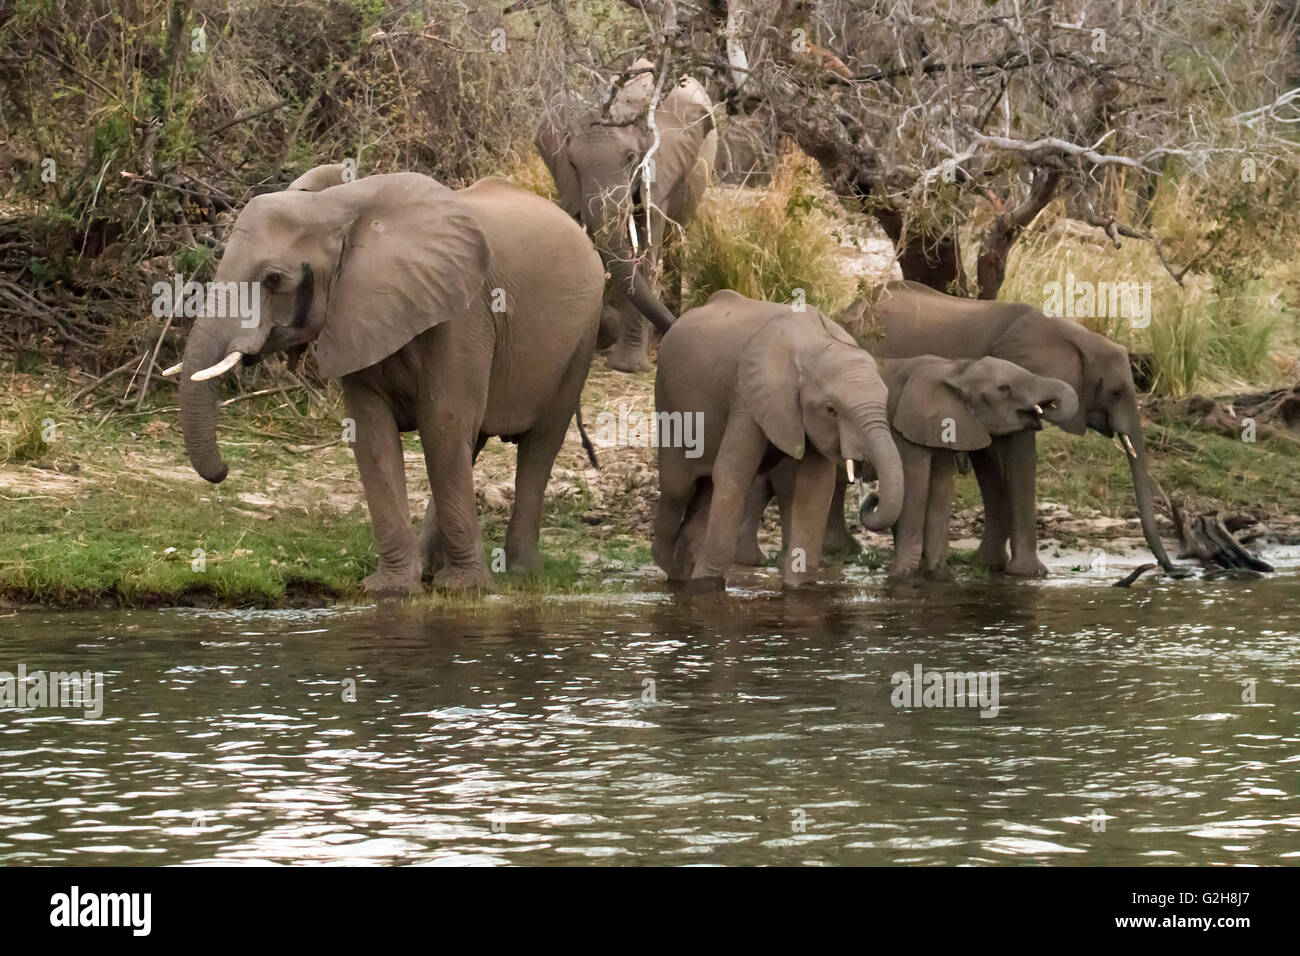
[(414, 256), (1045, 346), (553, 145), (767, 378), (931, 410), (685, 121)]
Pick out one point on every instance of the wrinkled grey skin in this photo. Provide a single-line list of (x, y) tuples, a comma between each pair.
[(395, 279), (770, 383), (594, 159), (938, 407), (911, 319)]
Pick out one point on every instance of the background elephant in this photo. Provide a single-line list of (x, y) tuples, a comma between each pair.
[(938, 407), (594, 161), (908, 319), (768, 382), (400, 282)]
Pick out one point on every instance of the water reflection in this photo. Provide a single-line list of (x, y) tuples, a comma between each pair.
[(747, 728)]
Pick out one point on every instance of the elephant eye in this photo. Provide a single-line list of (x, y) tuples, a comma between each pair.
[(1004, 388), (830, 409), (272, 281)]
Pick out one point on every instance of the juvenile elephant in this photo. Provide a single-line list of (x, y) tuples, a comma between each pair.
[(596, 162), (765, 382), (909, 319), (938, 407), (436, 313)]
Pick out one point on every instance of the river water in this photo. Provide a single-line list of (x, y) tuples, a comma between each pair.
[(740, 729)]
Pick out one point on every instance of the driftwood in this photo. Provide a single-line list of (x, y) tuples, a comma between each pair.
[(1207, 538), (1275, 414)]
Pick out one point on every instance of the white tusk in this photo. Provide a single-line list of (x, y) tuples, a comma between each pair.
[(168, 373), (848, 465), (1038, 409), (1128, 447), (225, 365)]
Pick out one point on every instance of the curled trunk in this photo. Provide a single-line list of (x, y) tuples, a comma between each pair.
[(888, 500)]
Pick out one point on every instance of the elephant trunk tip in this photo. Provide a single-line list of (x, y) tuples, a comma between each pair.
[(218, 476), (872, 518)]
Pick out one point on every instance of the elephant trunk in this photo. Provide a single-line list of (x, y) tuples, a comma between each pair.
[(199, 403), (873, 425), (1064, 402), (624, 273), (1137, 462)]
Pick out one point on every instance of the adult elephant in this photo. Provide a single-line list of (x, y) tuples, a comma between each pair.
[(597, 161), (765, 383), (434, 310), (908, 319)]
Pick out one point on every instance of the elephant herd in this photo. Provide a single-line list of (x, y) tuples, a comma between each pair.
[(475, 313)]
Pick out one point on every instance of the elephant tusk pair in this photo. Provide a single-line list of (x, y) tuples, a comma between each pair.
[(225, 365), (175, 369)]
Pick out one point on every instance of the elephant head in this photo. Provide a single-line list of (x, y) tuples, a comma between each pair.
[(961, 404), (805, 380), (598, 164), (360, 268), (1098, 370)]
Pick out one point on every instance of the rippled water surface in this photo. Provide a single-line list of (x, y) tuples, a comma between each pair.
[(748, 729)]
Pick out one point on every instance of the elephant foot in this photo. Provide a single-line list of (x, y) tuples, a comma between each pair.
[(629, 360), (1027, 567), (706, 585), (798, 582), (939, 572), (523, 561), (662, 555), (906, 572), (453, 578), (993, 558), (389, 584), (841, 544)]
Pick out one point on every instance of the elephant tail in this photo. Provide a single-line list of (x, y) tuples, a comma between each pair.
[(586, 442)]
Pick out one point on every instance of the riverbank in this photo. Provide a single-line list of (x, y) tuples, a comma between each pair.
[(109, 513)]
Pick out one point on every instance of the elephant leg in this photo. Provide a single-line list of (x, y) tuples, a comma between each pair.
[(837, 540), (909, 532), (1021, 462), (431, 557), (432, 543), (739, 455), (814, 486), (378, 451), (997, 510), (747, 549), (630, 351), (676, 489), (692, 533), (537, 451), (934, 555), (782, 478), (449, 442), (610, 324)]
